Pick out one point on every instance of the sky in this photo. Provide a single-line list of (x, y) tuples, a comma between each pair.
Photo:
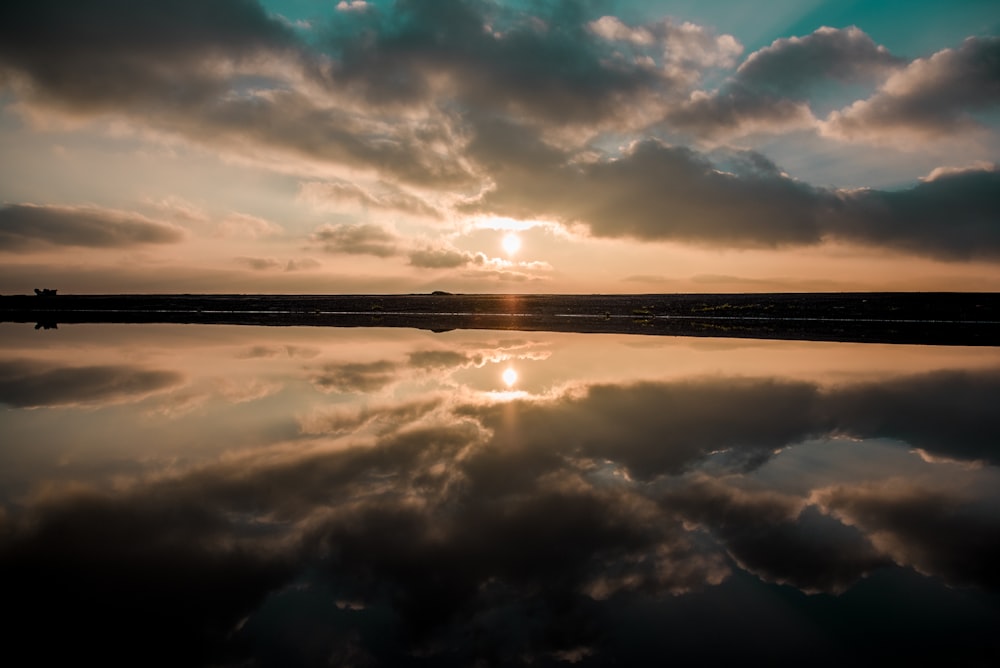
[(367, 146)]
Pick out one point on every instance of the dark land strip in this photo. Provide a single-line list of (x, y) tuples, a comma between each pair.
[(920, 318)]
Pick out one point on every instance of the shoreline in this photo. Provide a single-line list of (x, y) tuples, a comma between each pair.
[(911, 318)]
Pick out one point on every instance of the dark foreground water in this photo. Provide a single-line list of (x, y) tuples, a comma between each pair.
[(208, 495)]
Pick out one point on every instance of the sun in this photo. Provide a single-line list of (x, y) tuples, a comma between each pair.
[(511, 243), (509, 377)]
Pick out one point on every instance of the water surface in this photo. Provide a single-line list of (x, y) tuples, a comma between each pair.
[(212, 495)]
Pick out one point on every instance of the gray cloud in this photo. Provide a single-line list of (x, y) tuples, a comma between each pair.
[(441, 258), (550, 66), (25, 383), (654, 191), (186, 71), (259, 263), (738, 109), (789, 66), (111, 53), (357, 239), (933, 96), (26, 226), (951, 216), (769, 90), (659, 192), (385, 197)]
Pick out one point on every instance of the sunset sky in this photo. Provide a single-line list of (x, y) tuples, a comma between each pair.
[(307, 146)]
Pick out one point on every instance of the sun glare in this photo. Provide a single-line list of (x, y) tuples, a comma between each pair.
[(509, 377), (511, 243)]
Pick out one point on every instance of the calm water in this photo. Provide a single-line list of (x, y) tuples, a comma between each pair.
[(200, 495)]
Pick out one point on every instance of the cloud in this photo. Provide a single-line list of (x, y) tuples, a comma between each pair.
[(259, 263), (549, 67), (31, 226), (949, 217), (931, 98), (441, 258), (737, 109), (188, 73), (683, 50), (385, 197), (272, 264), (770, 90), (357, 239), (790, 66), (110, 54), (29, 384), (656, 192)]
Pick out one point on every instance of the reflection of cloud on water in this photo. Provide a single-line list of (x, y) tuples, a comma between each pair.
[(937, 532), (199, 394), (420, 365), (265, 351), (355, 376), (29, 384), (445, 518)]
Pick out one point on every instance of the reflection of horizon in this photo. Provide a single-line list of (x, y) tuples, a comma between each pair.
[(601, 511)]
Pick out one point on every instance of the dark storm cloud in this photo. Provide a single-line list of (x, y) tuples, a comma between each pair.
[(952, 216), (107, 53), (658, 192), (25, 383), (549, 66), (791, 65), (654, 192), (937, 533), (357, 239), (27, 226), (932, 96), (769, 90), (739, 109), (226, 74)]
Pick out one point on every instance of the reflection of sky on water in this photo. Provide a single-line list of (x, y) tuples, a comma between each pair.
[(356, 497)]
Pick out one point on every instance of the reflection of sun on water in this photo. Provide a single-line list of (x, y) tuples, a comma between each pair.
[(511, 243), (509, 377)]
